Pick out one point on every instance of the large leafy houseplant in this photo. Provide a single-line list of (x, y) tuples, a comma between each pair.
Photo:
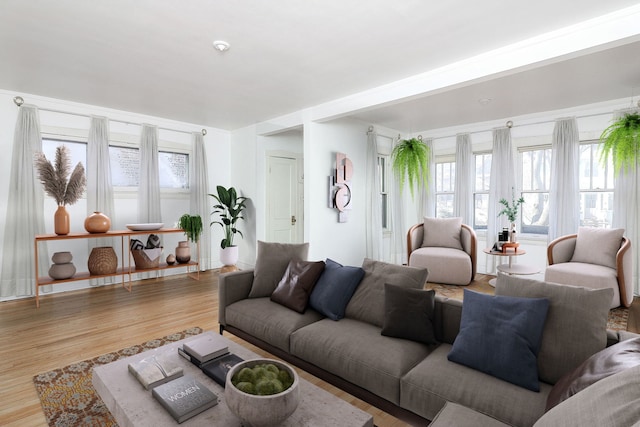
[(229, 210), (621, 142), (410, 162)]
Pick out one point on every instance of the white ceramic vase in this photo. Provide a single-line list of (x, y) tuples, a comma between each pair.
[(229, 255)]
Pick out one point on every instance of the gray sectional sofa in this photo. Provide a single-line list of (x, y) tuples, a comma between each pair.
[(414, 379)]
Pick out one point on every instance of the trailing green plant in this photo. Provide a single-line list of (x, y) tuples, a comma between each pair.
[(410, 162), (192, 226), (54, 177), (621, 142), (229, 209), (511, 210)]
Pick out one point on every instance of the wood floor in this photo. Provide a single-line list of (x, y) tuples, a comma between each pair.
[(79, 325)]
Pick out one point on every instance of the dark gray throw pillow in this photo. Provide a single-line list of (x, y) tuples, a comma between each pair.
[(501, 336), (271, 262), (408, 313), (296, 285), (335, 288)]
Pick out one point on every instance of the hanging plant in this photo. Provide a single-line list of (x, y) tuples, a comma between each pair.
[(621, 142), (410, 161)]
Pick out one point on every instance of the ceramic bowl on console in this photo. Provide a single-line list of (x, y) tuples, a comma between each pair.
[(262, 410)]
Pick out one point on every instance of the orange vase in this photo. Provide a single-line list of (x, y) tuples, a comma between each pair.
[(97, 222), (61, 221)]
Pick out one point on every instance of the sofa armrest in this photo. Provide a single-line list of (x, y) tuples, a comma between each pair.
[(561, 249), (415, 237), (469, 245), (624, 268), (232, 287)]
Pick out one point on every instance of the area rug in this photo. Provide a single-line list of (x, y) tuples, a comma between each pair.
[(67, 395), (618, 317)]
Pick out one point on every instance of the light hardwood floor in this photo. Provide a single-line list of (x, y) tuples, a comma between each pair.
[(79, 325)]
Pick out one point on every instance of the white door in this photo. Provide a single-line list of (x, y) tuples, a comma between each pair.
[(284, 223)]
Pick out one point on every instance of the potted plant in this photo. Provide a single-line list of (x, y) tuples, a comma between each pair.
[(621, 141), (410, 161), (229, 210), (510, 210), (192, 226), (54, 179)]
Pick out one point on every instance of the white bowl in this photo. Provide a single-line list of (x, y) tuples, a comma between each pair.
[(262, 411)]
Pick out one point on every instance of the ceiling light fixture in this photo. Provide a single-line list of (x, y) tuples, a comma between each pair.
[(221, 45)]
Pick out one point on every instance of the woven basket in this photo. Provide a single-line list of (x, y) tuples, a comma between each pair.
[(146, 258), (102, 260)]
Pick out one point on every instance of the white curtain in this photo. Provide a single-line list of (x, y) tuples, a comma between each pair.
[(626, 199), (25, 211), (463, 193), (99, 189), (373, 200), (502, 185), (200, 200), (427, 195), (564, 192), (149, 189)]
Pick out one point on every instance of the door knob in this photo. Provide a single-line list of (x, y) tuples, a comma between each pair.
[(293, 220)]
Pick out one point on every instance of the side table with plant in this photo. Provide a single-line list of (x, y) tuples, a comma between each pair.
[(510, 210), (192, 226)]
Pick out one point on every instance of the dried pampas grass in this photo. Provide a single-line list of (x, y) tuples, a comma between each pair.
[(54, 178)]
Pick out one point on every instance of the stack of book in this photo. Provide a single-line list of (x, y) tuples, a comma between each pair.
[(210, 354)]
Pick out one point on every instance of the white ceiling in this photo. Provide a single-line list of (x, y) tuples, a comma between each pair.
[(155, 56)]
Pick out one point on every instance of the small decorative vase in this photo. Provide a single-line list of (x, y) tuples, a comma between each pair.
[(97, 222), (61, 221), (229, 255), (61, 257), (102, 260), (62, 267), (512, 233), (183, 252), (171, 259)]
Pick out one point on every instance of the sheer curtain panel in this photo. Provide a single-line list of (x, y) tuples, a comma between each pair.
[(149, 190), (25, 207), (463, 193), (373, 199), (427, 198), (564, 192), (199, 193)]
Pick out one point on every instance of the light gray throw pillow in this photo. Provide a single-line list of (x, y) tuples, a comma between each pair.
[(598, 245), (576, 325), (271, 263), (442, 232)]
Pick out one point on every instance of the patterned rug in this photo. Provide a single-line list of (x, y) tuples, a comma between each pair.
[(618, 317), (67, 395)]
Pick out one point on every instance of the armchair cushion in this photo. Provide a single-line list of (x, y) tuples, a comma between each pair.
[(442, 232), (598, 246)]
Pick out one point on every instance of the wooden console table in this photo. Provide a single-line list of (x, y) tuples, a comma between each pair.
[(125, 269)]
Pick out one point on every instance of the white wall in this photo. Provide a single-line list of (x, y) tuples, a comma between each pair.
[(217, 145)]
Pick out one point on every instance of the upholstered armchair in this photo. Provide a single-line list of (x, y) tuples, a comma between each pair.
[(446, 247), (594, 258)]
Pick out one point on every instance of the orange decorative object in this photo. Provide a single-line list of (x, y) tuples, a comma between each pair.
[(507, 245), (97, 222), (61, 221)]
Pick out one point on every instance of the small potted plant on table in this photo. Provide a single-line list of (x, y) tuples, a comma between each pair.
[(192, 226)]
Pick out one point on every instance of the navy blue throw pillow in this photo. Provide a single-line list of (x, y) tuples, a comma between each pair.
[(501, 336), (334, 289)]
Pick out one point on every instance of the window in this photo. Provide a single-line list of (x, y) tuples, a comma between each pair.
[(383, 163), (596, 187), (173, 168), (481, 191), (445, 186), (536, 181), (78, 150)]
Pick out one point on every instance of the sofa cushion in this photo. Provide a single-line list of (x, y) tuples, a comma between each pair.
[(297, 283), (357, 352), (460, 416), (442, 232), (501, 336), (435, 380), (334, 289), (271, 262), (613, 401), (611, 360), (367, 303), (576, 325), (409, 314), (598, 245), (268, 321)]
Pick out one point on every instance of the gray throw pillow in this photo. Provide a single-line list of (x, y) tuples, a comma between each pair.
[(598, 245), (296, 284), (442, 232), (576, 326), (367, 303), (408, 314), (271, 262), (501, 336)]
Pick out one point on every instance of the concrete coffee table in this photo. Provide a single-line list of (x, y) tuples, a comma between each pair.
[(132, 405)]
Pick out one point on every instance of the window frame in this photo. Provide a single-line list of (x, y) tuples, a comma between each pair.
[(442, 160), (477, 192), (534, 229)]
